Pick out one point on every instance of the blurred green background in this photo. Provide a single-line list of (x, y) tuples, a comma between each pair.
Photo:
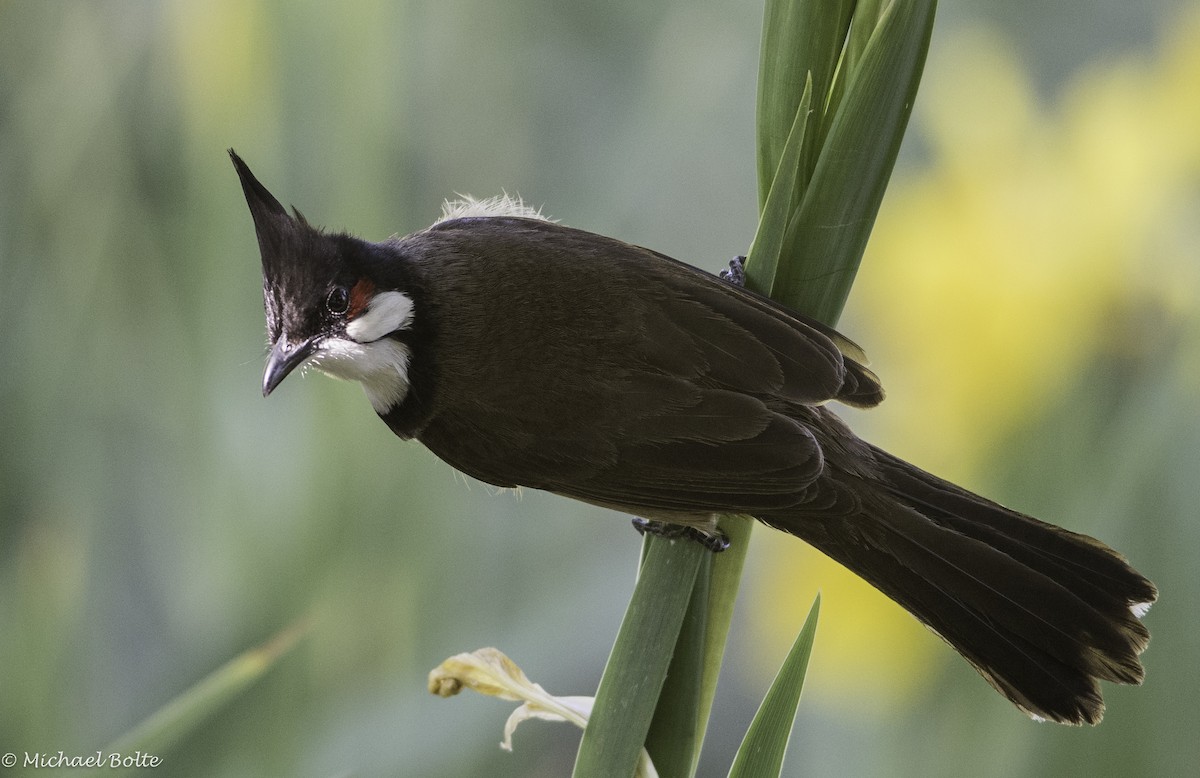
[(1029, 298)]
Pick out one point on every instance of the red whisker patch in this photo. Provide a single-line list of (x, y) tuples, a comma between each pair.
[(360, 297)]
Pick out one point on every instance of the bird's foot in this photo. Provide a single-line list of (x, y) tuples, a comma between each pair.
[(714, 541), (736, 274)]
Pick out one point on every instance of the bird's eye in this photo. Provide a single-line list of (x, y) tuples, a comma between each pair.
[(338, 300)]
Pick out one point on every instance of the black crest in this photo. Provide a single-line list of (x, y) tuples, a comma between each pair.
[(298, 261)]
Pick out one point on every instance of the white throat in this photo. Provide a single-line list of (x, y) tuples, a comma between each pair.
[(368, 356)]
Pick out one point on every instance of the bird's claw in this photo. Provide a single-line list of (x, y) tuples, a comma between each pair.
[(714, 541), (736, 274)]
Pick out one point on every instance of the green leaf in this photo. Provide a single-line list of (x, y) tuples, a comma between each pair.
[(173, 722), (862, 25), (762, 261), (762, 750), (633, 678), (801, 39), (722, 596), (826, 241), (866, 18)]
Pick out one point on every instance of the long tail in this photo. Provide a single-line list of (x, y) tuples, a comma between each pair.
[(1042, 613)]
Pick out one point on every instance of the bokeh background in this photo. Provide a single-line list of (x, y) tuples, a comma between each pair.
[(1029, 298)]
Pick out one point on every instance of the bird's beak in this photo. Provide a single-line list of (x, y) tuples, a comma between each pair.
[(285, 357)]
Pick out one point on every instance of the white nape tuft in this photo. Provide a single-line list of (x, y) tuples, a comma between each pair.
[(380, 366), (386, 313), (1140, 609), (500, 205)]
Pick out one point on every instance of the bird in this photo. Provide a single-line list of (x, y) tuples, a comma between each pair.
[(525, 353)]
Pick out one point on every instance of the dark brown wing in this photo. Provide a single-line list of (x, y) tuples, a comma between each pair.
[(672, 390), (687, 450)]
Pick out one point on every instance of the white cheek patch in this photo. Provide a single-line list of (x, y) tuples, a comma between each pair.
[(386, 313), (380, 366)]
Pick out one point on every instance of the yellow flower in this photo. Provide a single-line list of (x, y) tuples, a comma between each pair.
[(998, 270)]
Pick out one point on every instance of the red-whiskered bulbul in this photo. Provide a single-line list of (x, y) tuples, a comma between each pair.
[(526, 353)]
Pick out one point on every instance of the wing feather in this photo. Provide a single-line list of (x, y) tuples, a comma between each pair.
[(681, 392)]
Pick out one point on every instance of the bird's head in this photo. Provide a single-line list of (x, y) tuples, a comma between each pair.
[(323, 307)]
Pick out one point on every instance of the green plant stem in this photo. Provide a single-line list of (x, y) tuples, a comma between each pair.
[(836, 86), (677, 730), (637, 666)]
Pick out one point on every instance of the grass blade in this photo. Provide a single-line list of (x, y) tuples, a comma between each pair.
[(762, 750), (173, 722)]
